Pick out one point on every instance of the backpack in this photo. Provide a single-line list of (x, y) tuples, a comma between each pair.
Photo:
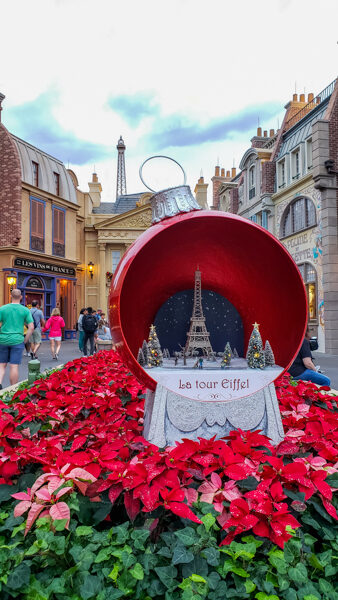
[(89, 323), (34, 321)]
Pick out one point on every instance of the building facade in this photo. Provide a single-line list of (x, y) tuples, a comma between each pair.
[(288, 184), (38, 250)]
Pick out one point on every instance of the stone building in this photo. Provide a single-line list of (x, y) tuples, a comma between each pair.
[(288, 184), (38, 251)]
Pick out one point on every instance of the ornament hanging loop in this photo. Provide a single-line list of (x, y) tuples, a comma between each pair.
[(160, 156)]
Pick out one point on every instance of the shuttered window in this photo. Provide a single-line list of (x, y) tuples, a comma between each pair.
[(37, 225), (58, 231)]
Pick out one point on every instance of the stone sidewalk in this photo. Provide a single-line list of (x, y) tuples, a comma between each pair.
[(69, 351)]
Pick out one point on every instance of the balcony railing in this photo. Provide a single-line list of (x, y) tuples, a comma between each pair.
[(37, 243), (58, 249), (324, 94)]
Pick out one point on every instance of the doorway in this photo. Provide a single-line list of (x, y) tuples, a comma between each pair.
[(38, 296)]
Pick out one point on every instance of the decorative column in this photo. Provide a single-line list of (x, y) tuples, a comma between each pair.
[(102, 278)]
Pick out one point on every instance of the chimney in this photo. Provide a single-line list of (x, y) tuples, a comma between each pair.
[(201, 193), (2, 97), (310, 97), (265, 133), (272, 132), (259, 132), (233, 172), (95, 190), (228, 174), (302, 98), (295, 98), (222, 172), (217, 171)]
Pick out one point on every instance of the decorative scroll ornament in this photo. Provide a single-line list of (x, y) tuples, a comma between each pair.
[(171, 201)]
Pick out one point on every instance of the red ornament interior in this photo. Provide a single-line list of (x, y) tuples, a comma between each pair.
[(237, 258)]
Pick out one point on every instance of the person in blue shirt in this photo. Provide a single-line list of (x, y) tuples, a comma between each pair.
[(303, 366)]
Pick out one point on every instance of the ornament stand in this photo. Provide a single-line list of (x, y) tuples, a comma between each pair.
[(170, 417)]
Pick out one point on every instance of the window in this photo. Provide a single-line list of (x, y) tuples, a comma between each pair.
[(265, 219), (253, 218), (57, 183), (252, 191), (281, 174), (295, 164), (58, 231), (115, 255), (300, 214), (309, 154), (37, 225), (309, 275), (35, 167)]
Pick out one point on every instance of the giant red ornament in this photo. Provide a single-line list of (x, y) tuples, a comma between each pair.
[(238, 259)]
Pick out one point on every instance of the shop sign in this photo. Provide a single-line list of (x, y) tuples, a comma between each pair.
[(42, 266)]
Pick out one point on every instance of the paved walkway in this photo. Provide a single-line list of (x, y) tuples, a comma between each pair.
[(69, 351)]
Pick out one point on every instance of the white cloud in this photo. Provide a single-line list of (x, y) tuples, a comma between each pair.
[(203, 60)]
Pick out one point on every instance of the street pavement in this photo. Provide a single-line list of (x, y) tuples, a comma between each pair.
[(70, 350)]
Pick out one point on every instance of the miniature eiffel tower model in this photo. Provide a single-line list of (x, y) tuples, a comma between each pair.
[(198, 336)]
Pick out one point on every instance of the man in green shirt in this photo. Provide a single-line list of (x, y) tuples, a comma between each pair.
[(13, 317)]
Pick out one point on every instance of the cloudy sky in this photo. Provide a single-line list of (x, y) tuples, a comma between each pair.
[(184, 78)]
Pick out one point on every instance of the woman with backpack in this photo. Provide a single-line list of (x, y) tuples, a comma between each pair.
[(55, 323), (89, 324)]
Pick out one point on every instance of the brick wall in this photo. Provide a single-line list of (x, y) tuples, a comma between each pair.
[(216, 183), (10, 191), (234, 200), (268, 177)]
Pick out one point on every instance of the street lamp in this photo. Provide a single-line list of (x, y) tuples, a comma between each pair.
[(91, 269), (11, 280)]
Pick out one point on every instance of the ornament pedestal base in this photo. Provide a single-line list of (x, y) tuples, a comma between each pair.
[(170, 417)]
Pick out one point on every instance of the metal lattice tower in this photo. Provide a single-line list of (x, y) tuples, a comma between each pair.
[(198, 336), (121, 182)]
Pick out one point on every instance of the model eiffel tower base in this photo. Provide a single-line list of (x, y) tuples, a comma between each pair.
[(169, 417)]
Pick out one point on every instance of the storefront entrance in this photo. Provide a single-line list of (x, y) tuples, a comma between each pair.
[(39, 297)]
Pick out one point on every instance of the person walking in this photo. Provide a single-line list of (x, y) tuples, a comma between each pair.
[(303, 366), (13, 317), (39, 321), (89, 324), (55, 323), (83, 311)]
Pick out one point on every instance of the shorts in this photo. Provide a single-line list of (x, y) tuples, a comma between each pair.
[(57, 339), (35, 338), (11, 354)]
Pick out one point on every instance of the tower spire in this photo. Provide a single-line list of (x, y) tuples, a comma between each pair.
[(198, 336), (121, 182)]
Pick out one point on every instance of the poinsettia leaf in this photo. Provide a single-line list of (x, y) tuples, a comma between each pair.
[(132, 505), (60, 511), (114, 492), (22, 507), (33, 515), (182, 510), (79, 442)]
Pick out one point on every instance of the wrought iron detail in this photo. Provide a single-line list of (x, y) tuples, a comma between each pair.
[(58, 249), (198, 336), (37, 243)]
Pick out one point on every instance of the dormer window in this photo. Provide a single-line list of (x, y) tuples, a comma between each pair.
[(35, 167), (252, 191), (57, 183), (295, 164), (281, 174)]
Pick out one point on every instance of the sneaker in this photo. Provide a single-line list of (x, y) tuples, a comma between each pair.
[(32, 355)]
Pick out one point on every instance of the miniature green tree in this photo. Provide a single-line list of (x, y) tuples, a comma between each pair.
[(255, 355), (155, 356), (226, 360), (269, 355), (140, 357)]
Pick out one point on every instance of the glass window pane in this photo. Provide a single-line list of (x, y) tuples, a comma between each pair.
[(287, 223), (311, 213), (299, 215), (116, 255)]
